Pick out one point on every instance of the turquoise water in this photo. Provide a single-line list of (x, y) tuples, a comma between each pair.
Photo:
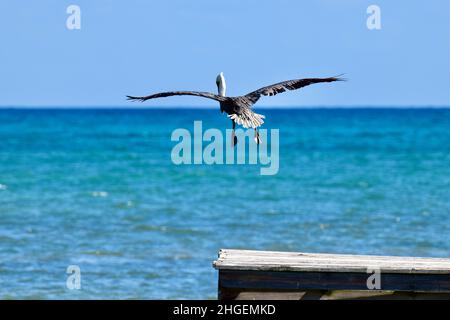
[(97, 189)]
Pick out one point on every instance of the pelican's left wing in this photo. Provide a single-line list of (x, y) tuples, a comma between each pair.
[(280, 87), (179, 93)]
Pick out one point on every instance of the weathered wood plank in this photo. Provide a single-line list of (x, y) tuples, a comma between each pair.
[(278, 254), (248, 274), (308, 262)]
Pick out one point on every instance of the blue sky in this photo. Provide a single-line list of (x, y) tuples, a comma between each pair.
[(140, 47)]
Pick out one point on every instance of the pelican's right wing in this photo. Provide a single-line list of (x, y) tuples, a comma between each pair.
[(179, 93), (280, 87)]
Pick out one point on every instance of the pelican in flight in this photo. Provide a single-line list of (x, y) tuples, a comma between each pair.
[(239, 108)]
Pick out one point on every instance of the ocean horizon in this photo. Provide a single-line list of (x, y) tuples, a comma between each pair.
[(96, 188), (140, 106)]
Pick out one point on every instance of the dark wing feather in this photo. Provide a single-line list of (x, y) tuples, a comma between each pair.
[(280, 87), (179, 93)]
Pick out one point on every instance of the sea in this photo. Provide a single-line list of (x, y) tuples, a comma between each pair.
[(93, 207)]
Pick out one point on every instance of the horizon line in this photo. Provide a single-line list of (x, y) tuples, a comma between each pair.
[(149, 107)]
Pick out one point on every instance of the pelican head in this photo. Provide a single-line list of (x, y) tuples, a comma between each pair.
[(221, 85)]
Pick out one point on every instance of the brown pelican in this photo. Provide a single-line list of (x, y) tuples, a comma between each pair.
[(239, 108)]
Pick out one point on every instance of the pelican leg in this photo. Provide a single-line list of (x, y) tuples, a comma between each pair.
[(257, 139), (234, 139)]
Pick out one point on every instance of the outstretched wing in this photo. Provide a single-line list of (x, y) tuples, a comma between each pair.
[(280, 87), (179, 93)]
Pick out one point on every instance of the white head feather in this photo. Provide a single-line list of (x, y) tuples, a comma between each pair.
[(221, 85)]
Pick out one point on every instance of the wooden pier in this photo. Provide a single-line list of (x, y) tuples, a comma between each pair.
[(248, 274)]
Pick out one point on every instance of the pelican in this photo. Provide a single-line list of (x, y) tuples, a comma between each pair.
[(238, 108)]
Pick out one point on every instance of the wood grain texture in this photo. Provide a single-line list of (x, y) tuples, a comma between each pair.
[(230, 259)]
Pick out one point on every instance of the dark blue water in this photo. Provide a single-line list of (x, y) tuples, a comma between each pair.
[(97, 189)]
